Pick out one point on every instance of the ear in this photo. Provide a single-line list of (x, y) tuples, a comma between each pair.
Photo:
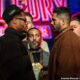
[(62, 22)]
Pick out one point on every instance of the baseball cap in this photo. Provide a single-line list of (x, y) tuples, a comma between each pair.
[(10, 12)]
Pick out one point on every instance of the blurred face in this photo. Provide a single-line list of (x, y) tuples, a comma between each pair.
[(75, 25), (34, 38), (56, 22), (20, 22), (29, 23)]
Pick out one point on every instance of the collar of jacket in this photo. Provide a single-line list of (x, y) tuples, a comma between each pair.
[(63, 31), (22, 34)]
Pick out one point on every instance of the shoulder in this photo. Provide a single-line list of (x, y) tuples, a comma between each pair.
[(70, 35), (69, 39), (9, 40), (44, 46), (44, 43)]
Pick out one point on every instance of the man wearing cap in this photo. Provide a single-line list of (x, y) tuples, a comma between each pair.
[(14, 60)]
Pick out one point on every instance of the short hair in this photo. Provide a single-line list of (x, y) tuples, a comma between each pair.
[(32, 29), (63, 11), (10, 12), (28, 14), (76, 17)]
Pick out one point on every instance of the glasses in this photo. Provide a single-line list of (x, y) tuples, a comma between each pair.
[(23, 19)]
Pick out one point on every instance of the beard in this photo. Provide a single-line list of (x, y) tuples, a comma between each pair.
[(57, 27), (34, 45)]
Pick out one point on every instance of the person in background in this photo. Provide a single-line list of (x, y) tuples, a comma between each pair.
[(29, 20), (75, 24), (15, 63), (30, 24), (38, 56), (64, 59)]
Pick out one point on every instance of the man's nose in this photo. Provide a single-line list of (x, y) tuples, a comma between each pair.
[(34, 38)]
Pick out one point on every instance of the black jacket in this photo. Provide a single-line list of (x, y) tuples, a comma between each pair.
[(14, 60)]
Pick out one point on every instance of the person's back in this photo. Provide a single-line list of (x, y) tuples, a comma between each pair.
[(14, 60)]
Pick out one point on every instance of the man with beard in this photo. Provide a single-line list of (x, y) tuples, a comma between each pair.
[(30, 24), (64, 62), (38, 56)]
